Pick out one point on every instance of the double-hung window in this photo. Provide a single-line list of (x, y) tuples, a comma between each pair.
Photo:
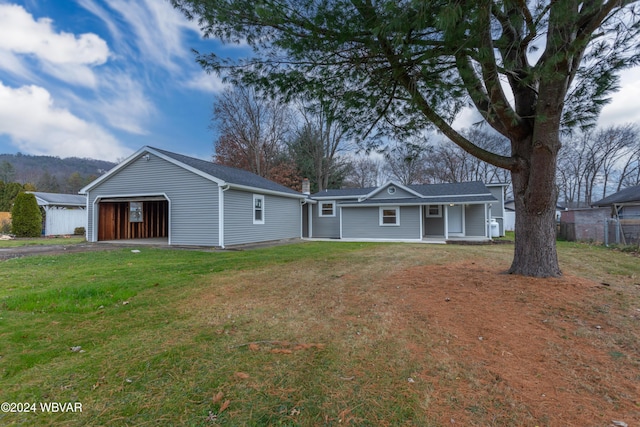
[(389, 215), (258, 209)]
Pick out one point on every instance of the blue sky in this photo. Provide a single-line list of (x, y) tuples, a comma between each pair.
[(102, 78)]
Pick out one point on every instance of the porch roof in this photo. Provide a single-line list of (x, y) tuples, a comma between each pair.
[(421, 201)]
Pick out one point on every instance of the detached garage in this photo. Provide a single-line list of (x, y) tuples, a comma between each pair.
[(187, 201), (62, 213)]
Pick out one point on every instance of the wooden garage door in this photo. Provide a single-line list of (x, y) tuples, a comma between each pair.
[(114, 224)]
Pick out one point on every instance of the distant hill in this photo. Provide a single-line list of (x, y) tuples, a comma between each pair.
[(51, 174)]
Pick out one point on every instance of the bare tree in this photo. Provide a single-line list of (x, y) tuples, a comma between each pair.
[(449, 163), (365, 171), (252, 130), (615, 144), (407, 161), (317, 145), (593, 164)]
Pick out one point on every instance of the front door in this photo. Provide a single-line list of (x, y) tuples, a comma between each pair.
[(455, 219)]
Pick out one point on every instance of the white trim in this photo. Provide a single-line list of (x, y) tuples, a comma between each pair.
[(340, 211), (351, 197), (221, 190), (426, 211), (333, 209), (381, 210), (421, 220), (262, 209), (310, 216), (445, 214), (413, 202), (96, 202)]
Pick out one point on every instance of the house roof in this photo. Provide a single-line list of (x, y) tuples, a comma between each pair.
[(628, 195), (223, 175), (57, 199), (343, 193), (230, 175), (455, 188), (443, 192), (412, 201)]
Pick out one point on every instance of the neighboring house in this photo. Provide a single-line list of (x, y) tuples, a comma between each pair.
[(63, 213), (158, 194), (624, 224), (625, 204), (583, 224), (436, 212)]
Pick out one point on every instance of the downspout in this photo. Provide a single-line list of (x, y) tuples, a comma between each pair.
[(221, 190)]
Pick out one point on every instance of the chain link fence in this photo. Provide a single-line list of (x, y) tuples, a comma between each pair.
[(622, 231)]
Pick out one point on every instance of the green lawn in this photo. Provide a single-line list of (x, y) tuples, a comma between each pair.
[(163, 332), (41, 241)]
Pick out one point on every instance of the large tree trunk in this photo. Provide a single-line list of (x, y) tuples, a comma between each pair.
[(535, 193)]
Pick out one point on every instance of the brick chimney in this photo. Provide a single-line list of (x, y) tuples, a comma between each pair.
[(306, 186)]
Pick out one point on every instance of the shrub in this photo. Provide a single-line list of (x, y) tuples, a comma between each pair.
[(5, 226), (26, 219), (79, 231)]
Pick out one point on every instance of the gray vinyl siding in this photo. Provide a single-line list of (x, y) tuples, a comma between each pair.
[(282, 218), (399, 194), (474, 220), (193, 216), (364, 223), (434, 226), (497, 208), (327, 227)]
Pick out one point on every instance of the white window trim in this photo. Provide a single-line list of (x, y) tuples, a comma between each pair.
[(427, 215), (253, 210), (388, 208), (333, 208)]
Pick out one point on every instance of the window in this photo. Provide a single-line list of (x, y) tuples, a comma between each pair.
[(434, 211), (389, 216), (391, 190), (327, 208), (258, 209)]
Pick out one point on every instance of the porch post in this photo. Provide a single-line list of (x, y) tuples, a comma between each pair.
[(446, 221), (310, 216)]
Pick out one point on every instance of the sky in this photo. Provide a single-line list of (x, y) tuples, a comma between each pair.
[(103, 78)]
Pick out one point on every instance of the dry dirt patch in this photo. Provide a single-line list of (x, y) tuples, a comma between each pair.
[(514, 344)]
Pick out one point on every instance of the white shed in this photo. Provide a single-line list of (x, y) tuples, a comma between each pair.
[(63, 213)]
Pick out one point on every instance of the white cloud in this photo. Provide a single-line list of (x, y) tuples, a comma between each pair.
[(205, 83), (122, 102), (158, 30), (36, 126), (66, 56), (625, 104)]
